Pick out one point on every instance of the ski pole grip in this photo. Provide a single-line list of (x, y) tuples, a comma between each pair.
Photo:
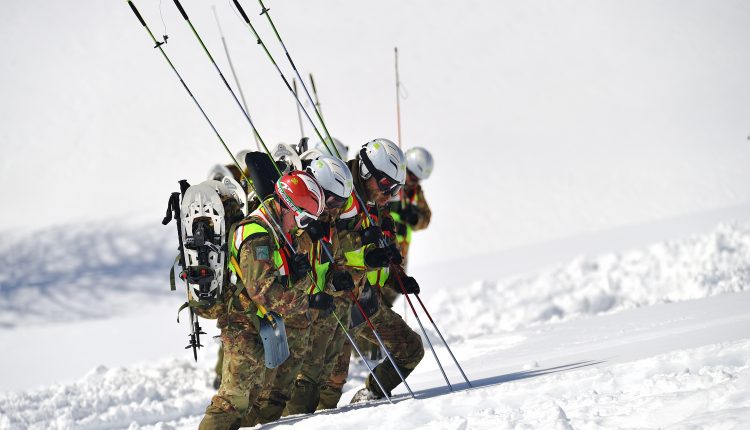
[(242, 11), (182, 11), (137, 14)]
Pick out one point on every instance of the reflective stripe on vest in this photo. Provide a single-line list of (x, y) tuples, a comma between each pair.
[(320, 269), (244, 231), (400, 238), (351, 208), (356, 259), (378, 277)]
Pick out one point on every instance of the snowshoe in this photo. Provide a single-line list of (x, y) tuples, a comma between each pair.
[(204, 236)]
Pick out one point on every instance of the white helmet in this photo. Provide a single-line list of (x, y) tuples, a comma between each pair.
[(343, 150), (334, 176), (384, 160), (419, 162)]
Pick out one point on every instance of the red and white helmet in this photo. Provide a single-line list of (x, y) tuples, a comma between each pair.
[(302, 195)]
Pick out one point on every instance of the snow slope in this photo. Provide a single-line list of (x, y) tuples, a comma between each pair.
[(582, 365), (678, 364)]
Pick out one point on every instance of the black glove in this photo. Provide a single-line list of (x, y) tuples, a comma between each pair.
[(317, 230), (378, 257), (342, 281), (299, 264), (388, 225), (395, 254), (368, 299), (373, 234), (409, 214), (321, 301), (410, 284), (401, 229)]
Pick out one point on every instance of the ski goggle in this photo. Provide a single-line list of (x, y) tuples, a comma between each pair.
[(333, 201), (388, 186), (304, 219)]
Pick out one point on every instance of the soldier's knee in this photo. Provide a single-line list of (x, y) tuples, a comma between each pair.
[(231, 402), (220, 415), (415, 350)]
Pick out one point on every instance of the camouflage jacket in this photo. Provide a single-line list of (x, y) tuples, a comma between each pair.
[(264, 268)]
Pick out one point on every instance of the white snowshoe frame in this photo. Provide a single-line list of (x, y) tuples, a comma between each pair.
[(284, 152), (202, 204)]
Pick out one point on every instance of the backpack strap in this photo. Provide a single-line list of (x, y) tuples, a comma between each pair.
[(172, 285)]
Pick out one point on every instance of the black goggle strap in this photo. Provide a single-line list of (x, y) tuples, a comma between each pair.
[(371, 168)]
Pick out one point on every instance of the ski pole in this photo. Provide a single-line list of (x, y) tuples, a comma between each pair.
[(377, 336), (299, 104), (194, 338), (216, 66), (300, 107), (397, 273), (234, 74), (356, 348), (444, 342), (315, 92), (195, 343), (265, 11), (299, 114), (325, 142), (328, 141), (398, 100), (233, 262)]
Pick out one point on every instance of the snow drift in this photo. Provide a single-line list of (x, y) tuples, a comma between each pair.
[(696, 267)]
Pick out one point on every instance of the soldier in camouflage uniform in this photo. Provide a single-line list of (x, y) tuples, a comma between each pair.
[(270, 278), (377, 183), (327, 281), (409, 209), (327, 336)]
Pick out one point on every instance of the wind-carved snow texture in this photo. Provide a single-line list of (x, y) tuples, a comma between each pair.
[(85, 271), (700, 266)]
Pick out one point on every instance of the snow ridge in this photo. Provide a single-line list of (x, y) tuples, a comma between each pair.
[(699, 266)]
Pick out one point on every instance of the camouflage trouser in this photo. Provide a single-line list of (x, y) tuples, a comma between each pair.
[(326, 339), (401, 341), (219, 362), (243, 370), (334, 378), (276, 391)]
